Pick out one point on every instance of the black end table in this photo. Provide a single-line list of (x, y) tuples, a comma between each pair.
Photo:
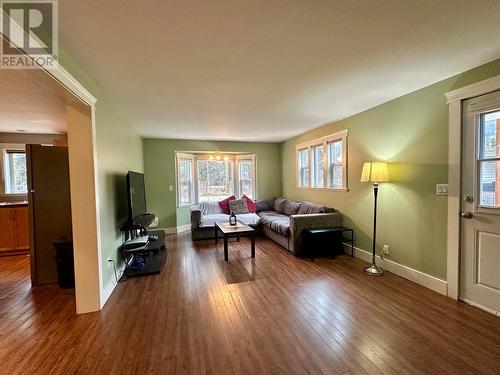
[(328, 234)]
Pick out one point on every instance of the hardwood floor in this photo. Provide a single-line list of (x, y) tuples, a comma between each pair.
[(274, 314)]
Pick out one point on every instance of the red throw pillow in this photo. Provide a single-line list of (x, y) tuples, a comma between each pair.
[(250, 204), (224, 204)]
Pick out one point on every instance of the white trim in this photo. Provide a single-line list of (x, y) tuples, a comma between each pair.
[(479, 88), (108, 289), (406, 272), (175, 230), (475, 304), (454, 99)]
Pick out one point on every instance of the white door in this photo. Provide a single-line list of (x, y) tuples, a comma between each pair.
[(480, 222)]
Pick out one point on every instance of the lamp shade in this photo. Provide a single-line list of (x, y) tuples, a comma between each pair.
[(375, 172)]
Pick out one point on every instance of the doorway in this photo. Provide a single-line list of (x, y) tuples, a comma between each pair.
[(480, 202)]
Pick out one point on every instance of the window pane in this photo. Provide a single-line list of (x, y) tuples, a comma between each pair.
[(318, 166), (16, 180), (215, 180), (334, 162), (246, 178), (303, 167), (490, 132), (489, 182), (185, 181)]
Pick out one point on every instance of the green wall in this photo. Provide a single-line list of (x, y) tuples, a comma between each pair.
[(411, 133), (159, 169), (118, 149)]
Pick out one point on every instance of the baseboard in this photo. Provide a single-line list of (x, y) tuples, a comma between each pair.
[(110, 286), (174, 230), (431, 282)]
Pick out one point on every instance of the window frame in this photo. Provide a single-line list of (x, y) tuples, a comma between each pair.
[(310, 146), (195, 156), (5, 148)]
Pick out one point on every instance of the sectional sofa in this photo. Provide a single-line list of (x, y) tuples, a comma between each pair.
[(282, 220)]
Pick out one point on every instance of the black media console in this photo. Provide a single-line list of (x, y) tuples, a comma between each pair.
[(153, 254)]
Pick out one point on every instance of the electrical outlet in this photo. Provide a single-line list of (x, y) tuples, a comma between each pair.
[(110, 260), (385, 250)]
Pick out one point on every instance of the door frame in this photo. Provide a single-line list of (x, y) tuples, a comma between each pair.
[(454, 101)]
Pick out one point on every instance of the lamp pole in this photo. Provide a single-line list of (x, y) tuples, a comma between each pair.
[(375, 194), (373, 269)]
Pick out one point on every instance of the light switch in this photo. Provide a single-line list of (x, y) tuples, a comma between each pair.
[(441, 189), (170, 187)]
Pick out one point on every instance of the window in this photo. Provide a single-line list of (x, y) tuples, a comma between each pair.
[(185, 173), (303, 167), (202, 177), (246, 176), (14, 170), (317, 170), (215, 179), (328, 162), (335, 164)]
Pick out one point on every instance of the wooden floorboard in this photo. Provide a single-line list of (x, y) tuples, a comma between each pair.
[(275, 314)]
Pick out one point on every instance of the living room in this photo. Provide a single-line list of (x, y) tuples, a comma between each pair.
[(356, 144)]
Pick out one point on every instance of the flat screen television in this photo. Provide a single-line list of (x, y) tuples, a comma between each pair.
[(136, 195)]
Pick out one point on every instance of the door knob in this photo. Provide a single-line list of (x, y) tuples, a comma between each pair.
[(466, 214)]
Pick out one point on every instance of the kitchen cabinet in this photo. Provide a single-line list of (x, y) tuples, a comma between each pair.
[(14, 229)]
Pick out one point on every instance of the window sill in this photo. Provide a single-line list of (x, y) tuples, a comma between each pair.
[(343, 190)]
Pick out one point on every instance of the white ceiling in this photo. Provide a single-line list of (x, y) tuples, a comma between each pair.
[(31, 102), (262, 70)]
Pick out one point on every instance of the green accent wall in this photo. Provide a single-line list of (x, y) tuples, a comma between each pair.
[(118, 149), (411, 133), (159, 169)]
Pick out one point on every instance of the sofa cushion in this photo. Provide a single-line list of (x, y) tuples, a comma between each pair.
[(250, 203), (224, 204), (264, 205), (238, 206), (312, 208), (210, 208), (291, 207), (277, 222), (279, 205), (209, 220)]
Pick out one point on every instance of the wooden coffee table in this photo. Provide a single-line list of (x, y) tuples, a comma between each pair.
[(241, 230)]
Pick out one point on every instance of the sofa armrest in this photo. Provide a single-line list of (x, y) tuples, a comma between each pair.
[(195, 217), (300, 222)]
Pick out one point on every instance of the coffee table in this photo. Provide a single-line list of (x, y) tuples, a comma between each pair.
[(241, 230)]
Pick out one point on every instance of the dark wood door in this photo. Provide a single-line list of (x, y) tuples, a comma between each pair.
[(50, 207)]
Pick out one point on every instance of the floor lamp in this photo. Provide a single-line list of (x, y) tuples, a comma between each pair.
[(374, 172)]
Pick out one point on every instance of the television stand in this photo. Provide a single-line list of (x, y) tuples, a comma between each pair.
[(154, 255)]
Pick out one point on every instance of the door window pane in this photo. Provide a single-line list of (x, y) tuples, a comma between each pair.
[(215, 180), (489, 182), (490, 133), (318, 166)]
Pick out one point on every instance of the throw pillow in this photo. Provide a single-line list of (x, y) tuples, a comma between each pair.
[(250, 203), (312, 208), (238, 206), (291, 207), (279, 205), (224, 204), (264, 205)]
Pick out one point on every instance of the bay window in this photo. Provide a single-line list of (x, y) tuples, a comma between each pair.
[(213, 177), (326, 159)]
